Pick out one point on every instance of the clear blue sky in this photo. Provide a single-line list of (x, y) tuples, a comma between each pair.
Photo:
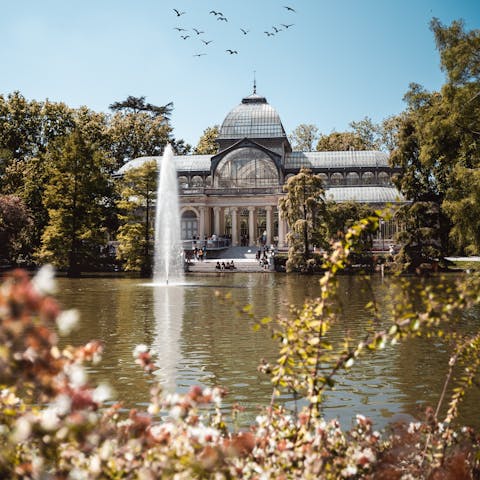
[(342, 60)]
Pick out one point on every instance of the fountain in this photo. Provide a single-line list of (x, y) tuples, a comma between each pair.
[(168, 266)]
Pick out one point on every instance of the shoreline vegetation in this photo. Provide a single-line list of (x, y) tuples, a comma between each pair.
[(55, 424)]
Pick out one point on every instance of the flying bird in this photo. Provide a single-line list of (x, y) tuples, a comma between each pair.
[(244, 31), (288, 26), (180, 29), (216, 13), (199, 54), (290, 9), (277, 29), (206, 42), (185, 36), (269, 34), (198, 32), (231, 52), (179, 14), (222, 18)]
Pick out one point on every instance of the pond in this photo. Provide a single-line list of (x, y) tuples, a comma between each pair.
[(202, 339)]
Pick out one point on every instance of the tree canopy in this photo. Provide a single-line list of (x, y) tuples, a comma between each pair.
[(77, 198), (304, 137), (138, 190), (207, 144), (303, 206), (439, 138)]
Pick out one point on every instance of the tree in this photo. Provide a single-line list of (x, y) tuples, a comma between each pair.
[(138, 134), (15, 224), (389, 132), (137, 105), (303, 138), (368, 131), (180, 147), (342, 215), (340, 142), (303, 206), (462, 205), (137, 195), (207, 144), (420, 236), (441, 130), (77, 199)]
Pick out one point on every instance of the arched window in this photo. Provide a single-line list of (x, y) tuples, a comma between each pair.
[(336, 178), (353, 178), (183, 182), (368, 178), (197, 181), (383, 178), (246, 167), (208, 181), (324, 178)]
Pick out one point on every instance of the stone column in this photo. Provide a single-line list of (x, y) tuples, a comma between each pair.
[(269, 209), (251, 226), (216, 220), (234, 212), (222, 221), (281, 230), (201, 228)]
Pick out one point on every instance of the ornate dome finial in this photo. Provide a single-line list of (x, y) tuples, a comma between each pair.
[(254, 83)]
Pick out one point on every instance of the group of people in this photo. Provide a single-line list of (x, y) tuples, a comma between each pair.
[(225, 266), (263, 256), (199, 253)]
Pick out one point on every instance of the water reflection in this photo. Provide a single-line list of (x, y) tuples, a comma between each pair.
[(203, 340), (168, 308)]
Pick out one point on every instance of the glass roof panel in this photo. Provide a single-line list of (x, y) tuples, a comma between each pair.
[(335, 160), (365, 194)]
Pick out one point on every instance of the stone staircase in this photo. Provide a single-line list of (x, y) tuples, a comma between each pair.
[(237, 253)]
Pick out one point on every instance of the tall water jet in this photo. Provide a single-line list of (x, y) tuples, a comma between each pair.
[(168, 266)]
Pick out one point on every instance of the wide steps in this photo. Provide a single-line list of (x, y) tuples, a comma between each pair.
[(241, 265)]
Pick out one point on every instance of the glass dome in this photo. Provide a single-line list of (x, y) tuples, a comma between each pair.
[(246, 168), (253, 118)]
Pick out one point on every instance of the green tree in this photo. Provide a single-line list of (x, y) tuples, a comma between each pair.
[(15, 224), (462, 205), (137, 104), (137, 197), (340, 141), (342, 215), (441, 130), (304, 137), (420, 237), (77, 197), (138, 129), (134, 135), (303, 206), (207, 144), (369, 132), (389, 132)]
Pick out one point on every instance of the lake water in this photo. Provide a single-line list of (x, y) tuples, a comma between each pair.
[(203, 340)]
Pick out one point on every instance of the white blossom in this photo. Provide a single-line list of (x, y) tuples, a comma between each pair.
[(44, 280), (68, 321), (22, 430), (77, 375), (141, 348), (101, 393), (49, 419)]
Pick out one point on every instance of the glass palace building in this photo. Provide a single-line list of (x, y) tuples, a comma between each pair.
[(235, 193)]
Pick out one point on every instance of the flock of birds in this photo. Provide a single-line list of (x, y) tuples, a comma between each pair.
[(185, 34)]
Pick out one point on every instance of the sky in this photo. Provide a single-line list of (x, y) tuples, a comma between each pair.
[(340, 61)]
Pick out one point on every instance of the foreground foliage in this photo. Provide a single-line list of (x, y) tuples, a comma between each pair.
[(54, 424)]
